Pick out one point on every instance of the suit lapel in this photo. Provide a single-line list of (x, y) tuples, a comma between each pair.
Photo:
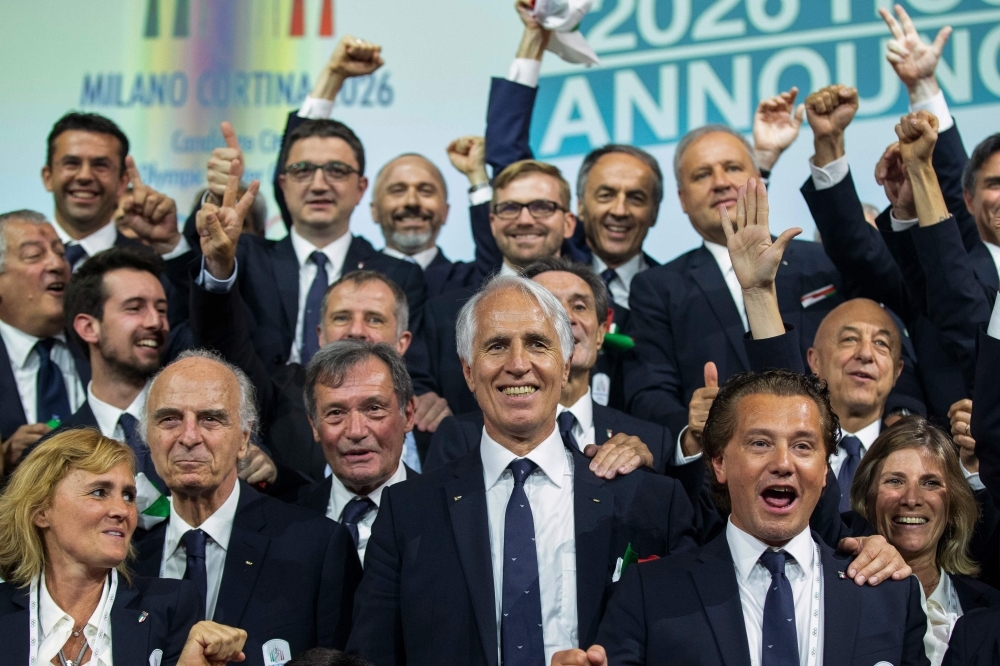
[(465, 496), (286, 276), (841, 609), (318, 499), (149, 551), (357, 253), (11, 411), (244, 558), (131, 637), (720, 596), (602, 427), (710, 280), (593, 516), (14, 629)]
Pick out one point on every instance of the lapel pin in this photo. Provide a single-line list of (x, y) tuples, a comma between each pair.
[(840, 575), (609, 433), (361, 265), (249, 563), (596, 500), (784, 263), (142, 618), (457, 497)]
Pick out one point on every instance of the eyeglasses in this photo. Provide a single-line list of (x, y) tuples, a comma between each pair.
[(540, 209), (302, 172)]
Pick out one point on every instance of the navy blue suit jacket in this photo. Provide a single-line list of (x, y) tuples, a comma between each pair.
[(683, 315), (170, 607), (686, 609), (427, 596), (985, 427), (288, 574), (975, 640)]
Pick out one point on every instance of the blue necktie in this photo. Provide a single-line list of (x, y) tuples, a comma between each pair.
[(197, 572), (522, 642), (51, 400), (74, 253), (608, 274), (566, 421), (314, 303), (143, 461), (354, 513), (780, 644), (852, 445)]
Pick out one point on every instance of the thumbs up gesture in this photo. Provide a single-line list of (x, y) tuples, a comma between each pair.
[(150, 214), (698, 408), (219, 227), (220, 163)]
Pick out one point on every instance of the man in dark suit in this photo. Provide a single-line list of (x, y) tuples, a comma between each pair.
[(522, 510), (42, 379), (283, 575), (360, 403), (767, 590)]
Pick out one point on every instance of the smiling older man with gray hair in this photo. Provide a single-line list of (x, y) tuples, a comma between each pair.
[(506, 554)]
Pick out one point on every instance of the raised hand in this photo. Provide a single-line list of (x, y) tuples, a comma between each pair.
[(755, 256), (150, 214), (468, 155), (891, 175), (221, 163), (701, 403), (212, 644), (913, 59), (960, 415), (219, 227), (776, 126), (830, 110), (917, 132), (351, 57), (535, 37)]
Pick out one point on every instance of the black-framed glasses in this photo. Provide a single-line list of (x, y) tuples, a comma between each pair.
[(303, 172), (540, 209)]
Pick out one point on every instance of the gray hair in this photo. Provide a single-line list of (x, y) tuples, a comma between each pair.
[(696, 134), (360, 277), (329, 367), (23, 215), (467, 325), (248, 404), (617, 148), (434, 169)]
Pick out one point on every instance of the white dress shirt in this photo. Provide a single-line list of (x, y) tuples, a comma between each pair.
[(994, 253), (583, 410), (218, 527), (24, 365), (56, 626), (525, 71), (336, 252), (104, 239), (340, 496), (753, 581), (942, 609), (422, 258), (867, 435), (107, 415), (725, 262), (621, 286), (550, 494)]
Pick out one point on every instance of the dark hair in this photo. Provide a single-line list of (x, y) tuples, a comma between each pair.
[(329, 367), (359, 277), (612, 148), (324, 128), (984, 151), (326, 657), (602, 301), (723, 418), (87, 122), (86, 294)]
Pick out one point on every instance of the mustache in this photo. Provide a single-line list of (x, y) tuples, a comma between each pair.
[(412, 211)]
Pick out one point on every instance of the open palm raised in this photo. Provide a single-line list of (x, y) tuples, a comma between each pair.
[(755, 255)]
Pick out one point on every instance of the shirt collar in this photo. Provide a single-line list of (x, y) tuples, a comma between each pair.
[(508, 270), (942, 593), (582, 409), (628, 270), (102, 239), (747, 549), (994, 252), (336, 251), (50, 614), (107, 415), (550, 456), (867, 435), (340, 495), (218, 526), (422, 258), (20, 344), (721, 254)]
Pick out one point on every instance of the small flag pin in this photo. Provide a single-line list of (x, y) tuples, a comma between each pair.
[(840, 575), (249, 563), (457, 497), (142, 618)]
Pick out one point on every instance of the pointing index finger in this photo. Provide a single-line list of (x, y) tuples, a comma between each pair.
[(133, 172), (233, 184)]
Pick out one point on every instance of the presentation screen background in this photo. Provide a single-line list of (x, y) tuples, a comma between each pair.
[(168, 71)]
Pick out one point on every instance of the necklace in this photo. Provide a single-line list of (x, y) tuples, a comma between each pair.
[(63, 661)]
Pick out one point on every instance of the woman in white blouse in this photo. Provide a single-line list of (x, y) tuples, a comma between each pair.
[(910, 486), (66, 521)]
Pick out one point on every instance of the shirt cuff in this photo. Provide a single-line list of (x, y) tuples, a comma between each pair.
[(901, 225), (825, 177), (993, 330), (939, 108), (481, 196), (214, 284), (972, 478), (182, 248), (316, 108), (679, 457), (525, 71)]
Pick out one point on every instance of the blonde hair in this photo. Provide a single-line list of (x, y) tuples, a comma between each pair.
[(32, 486), (915, 432), (526, 168)]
